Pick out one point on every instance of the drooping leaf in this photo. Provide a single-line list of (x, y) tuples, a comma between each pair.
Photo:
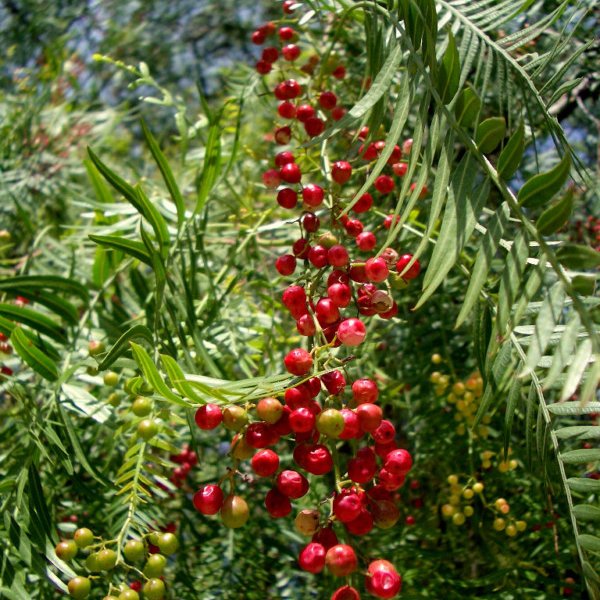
[(510, 157), (575, 256), (490, 133), (34, 319), (122, 344), (449, 72), (130, 247), (540, 188), (556, 215)]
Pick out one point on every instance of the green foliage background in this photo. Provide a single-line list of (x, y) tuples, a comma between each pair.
[(184, 270)]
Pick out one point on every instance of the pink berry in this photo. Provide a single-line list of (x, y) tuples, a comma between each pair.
[(351, 332)]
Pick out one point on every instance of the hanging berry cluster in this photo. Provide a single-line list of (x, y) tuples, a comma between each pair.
[(333, 420)]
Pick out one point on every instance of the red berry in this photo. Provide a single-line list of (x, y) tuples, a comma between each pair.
[(290, 52), (352, 427), (334, 381), (304, 112), (263, 67), (306, 325), (290, 173), (277, 504), (327, 100), (398, 461), (376, 269), (310, 222), (287, 110), (341, 171), (390, 481), (384, 184), (302, 420), (283, 158), (270, 54), (209, 416), (292, 484), (366, 241), (353, 227), (265, 463), (365, 390), (351, 332), (338, 256), (370, 416), (287, 198), (283, 135), (363, 204), (259, 435), (318, 256), (314, 126), (312, 558), (298, 361), (385, 433), (269, 410), (271, 178), (363, 523), (286, 33), (301, 248), (347, 505), (313, 458), (326, 311), (340, 294), (208, 499), (407, 146), (382, 579), (287, 6), (345, 593), (341, 560), (312, 195), (413, 271), (391, 220), (286, 264), (400, 169), (326, 537), (338, 113), (258, 37), (362, 470)]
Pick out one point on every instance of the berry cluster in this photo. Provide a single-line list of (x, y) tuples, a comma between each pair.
[(97, 556), (334, 422)]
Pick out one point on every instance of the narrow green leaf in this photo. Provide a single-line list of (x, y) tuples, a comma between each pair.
[(555, 216), (575, 256), (85, 403), (467, 107), (540, 188), (32, 318), (117, 182), (579, 432), (122, 344), (21, 283), (576, 369), (584, 485), (448, 78), (533, 282), (59, 306), (178, 381), (564, 409), (547, 319), (511, 280), (514, 396), (482, 332), (565, 349), (463, 206), (584, 285), (156, 220), (153, 377), (490, 133), (483, 262), (591, 382), (577, 457), (166, 173), (102, 191), (129, 247), (34, 357), (510, 157), (211, 166), (591, 543), (585, 512)]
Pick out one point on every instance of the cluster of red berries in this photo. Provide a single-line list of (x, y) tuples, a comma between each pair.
[(186, 459), (323, 410)]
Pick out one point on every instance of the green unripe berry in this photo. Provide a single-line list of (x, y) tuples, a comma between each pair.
[(154, 589), (235, 418), (110, 598), (95, 347), (134, 550), (330, 422), (129, 595), (142, 406), (111, 378), (106, 559), (83, 537), (168, 543), (91, 563), (66, 550), (147, 429), (234, 512), (79, 587), (114, 399), (155, 565)]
